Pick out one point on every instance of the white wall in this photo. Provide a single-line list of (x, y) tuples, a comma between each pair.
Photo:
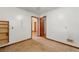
[(20, 20), (63, 23)]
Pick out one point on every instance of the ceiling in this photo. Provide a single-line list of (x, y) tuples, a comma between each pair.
[(38, 10)]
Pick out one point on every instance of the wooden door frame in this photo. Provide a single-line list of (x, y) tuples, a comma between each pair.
[(39, 25), (45, 25), (31, 23)]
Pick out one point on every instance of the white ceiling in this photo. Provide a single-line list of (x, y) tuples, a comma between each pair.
[(38, 10)]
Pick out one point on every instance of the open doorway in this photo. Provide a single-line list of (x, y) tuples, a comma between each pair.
[(34, 26), (38, 26)]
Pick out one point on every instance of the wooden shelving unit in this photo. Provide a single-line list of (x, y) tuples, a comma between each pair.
[(4, 32)]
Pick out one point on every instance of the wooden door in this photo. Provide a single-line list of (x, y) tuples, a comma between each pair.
[(34, 26), (4, 32), (41, 27)]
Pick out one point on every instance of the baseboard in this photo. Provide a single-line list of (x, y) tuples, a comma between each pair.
[(14, 43), (62, 43)]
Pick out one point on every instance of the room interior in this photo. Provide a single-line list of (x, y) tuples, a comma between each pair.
[(48, 28)]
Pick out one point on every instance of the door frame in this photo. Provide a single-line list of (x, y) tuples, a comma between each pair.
[(45, 25), (31, 24), (38, 18)]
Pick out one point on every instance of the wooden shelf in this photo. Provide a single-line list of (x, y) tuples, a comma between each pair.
[(4, 32), (4, 27), (2, 42), (4, 22), (3, 37)]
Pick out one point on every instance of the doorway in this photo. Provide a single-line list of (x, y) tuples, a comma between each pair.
[(34, 26), (38, 26)]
